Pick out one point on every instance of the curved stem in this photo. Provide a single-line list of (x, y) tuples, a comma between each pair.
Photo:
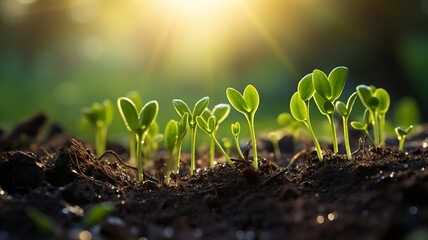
[(369, 136), (333, 131), (192, 149), (314, 138), (346, 138), (169, 168), (238, 148), (223, 152)]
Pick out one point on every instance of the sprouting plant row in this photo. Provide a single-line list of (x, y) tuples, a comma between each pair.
[(323, 89)]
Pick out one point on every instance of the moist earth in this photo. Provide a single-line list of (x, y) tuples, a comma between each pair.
[(382, 193)]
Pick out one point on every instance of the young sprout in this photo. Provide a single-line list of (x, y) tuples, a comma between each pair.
[(345, 111), (327, 91), (182, 108), (171, 137), (136, 99), (364, 125), (286, 120), (220, 112), (182, 130), (100, 116), (299, 106), (138, 123), (42, 221), (236, 130), (377, 101), (151, 142), (209, 127), (97, 213), (274, 138), (227, 144), (247, 104), (402, 135)]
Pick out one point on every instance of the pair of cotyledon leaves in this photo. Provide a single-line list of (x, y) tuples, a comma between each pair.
[(137, 122), (375, 99), (325, 90)]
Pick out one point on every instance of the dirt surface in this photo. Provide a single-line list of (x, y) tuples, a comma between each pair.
[(380, 194)]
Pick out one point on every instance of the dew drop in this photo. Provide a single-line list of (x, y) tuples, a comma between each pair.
[(197, 233), (425, 145), (413, 210), (391, 175), (240, 235), (168, 232), (423, 169)]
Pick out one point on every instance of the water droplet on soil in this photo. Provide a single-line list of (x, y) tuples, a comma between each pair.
[(391, 175), (168, 232), (333, 216), (425, 145), (413, 210)]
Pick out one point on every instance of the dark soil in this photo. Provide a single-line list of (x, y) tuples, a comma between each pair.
[(381, 194)]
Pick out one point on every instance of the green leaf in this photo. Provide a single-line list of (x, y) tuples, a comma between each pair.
[(320, 102), (237, 100), (351, 101), (367, 118), (207, 113), (182, 126), (384, 100), (148, 114), (200, 106), (236, 129), (341, 109), (129, 114), (108, 112), (337, 79), (90, 116), (42, 221), (306, 87), (220, 112), (202, 124), (97, 213), (298, 108), (359, 125), (365, 94), (212, 123), (135, 97), (251, 98), (171, 135), (181, 107), (284, 119), (321, 84)]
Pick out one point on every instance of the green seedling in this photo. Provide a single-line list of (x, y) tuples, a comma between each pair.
[(236, 130), (247, 104), (209, 127), (138, 123), (364, 125), (402, 135), (151, 142), (299, 106), (100, 116), (285, 120), (220, 112), (377, 101), (407, 112), (227, 143), (97, 213), (327, 91), (274, 139), (345, 110), (182, 108), (171, 137), (42, 222), (136, 99), (182, 131)]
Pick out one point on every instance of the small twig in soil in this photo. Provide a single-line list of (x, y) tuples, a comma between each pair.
[(273, 176)]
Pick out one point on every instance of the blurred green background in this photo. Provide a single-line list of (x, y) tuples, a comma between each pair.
[(60, 56)]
